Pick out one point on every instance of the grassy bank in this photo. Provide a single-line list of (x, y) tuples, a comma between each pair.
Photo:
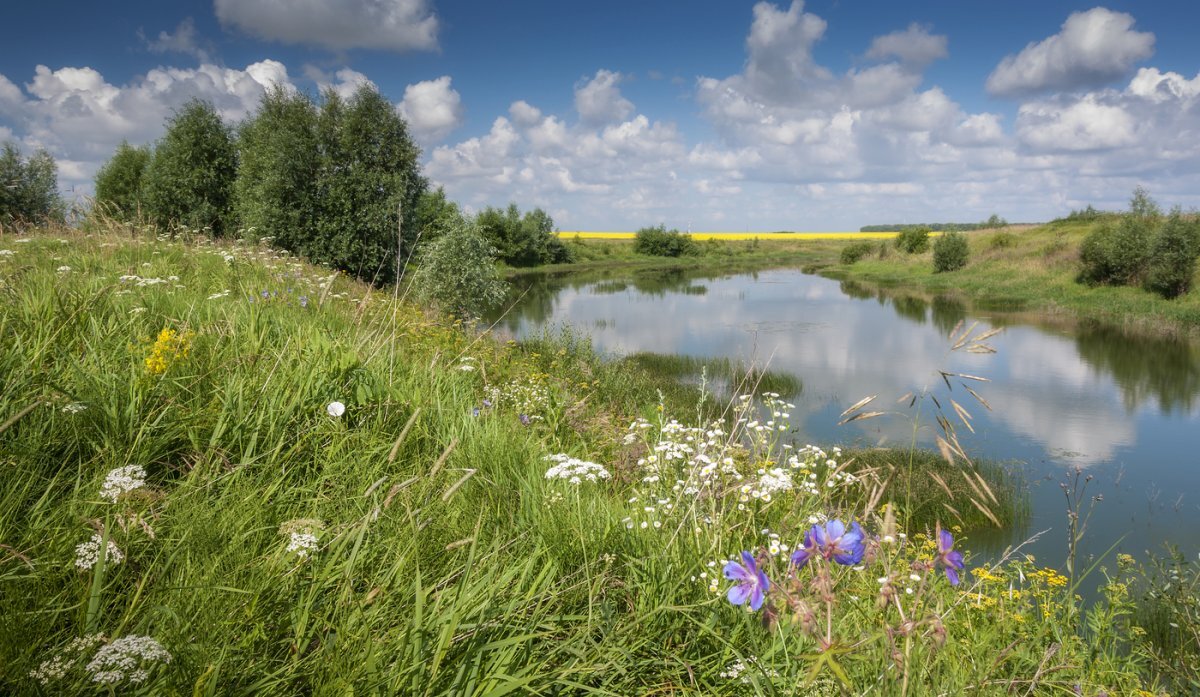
[(224, 471)]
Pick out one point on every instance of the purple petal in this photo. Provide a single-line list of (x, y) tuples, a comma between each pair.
[(850, 554), (763, 582), (740, 593), (834, 529), (952, 575), (736, 572), (955, 559), (945, 541), (756, 598), (818, 535), (800, 558), (748, 561), (854, 535)]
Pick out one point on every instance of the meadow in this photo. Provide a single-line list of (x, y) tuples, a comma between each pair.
[(226, 471)]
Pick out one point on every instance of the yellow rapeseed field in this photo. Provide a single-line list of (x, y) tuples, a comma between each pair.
[(781, 236)]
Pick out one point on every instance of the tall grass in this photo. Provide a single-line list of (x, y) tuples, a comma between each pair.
[(443, 560)]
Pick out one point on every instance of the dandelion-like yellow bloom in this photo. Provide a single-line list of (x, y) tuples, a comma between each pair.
[(169, 347)]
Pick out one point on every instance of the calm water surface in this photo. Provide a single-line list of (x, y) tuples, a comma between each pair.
[(1126, 410)]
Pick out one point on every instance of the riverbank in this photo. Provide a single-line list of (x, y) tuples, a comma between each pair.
[(252, 475), (1022, 269)]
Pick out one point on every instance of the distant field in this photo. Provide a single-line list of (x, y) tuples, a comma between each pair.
[(782, 236)]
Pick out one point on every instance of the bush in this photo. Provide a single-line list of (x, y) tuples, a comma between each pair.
[(855, 251), (275, 193), (458, 271), (527, 240), (661, 242), (950, 252), (1002, 240), (28, 188), (913, 240), (1171, 262), (190, 179), (120, 182), (1117, 255)]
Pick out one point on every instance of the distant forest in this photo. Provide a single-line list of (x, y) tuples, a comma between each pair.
[(933, 227)]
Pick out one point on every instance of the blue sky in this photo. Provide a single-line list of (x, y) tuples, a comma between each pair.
[(710, 115)]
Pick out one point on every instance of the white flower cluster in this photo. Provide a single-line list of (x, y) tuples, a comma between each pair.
[(128, 658), (302, 544), (6, 252), (522, 396), (219, 295), (87, 554), (74, 408), (57, 667), (769, 483), (737, 670), (121, 481), (574, 470), (64, 269)]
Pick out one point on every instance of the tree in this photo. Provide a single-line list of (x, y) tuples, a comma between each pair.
[(275, 192), (1142, 206), (435, 214), (913, 240), (995, 221), (526, 240), (120, 182), (1172, 258), (190, 179), (458, 271), (28, 188), (660, 242), (368, 186), (950, 252)]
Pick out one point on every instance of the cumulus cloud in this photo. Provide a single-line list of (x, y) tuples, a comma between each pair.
[(390, 25), (1093, 49), (344, 82), (524, 114), (432, 108), (914, 46), (80, 117), (599, 99), (184, 40)]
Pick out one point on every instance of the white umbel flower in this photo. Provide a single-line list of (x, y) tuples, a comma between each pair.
[(574, 470), (87, 554), (128, 658), (121, 481)]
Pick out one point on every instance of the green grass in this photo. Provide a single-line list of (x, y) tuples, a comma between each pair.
[(445, 561)]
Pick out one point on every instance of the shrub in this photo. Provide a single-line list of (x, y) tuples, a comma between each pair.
[(526, 240), (28, 188), (458, 271), (275, 193), (660, 242), (855, 251), (1117, 254), (1171, 262), (190, 179), (913, 240), (120, 182), (950, 252), (1002, 240), (995, 221)]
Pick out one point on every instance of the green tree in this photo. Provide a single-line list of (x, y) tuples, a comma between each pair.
[(458, 271), (1172, 259), (661, 242), (435, 214), (120, 182), (913, 240), (1142, 206), (526, 240), (190, 179), (950, 252), (28, 188), (368, 186), (275, 192)]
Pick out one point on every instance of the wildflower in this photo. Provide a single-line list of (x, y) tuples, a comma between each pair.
[(121, 481), (335, 409), (524, 419), (57, 667), (303, 301), (947, 557), (475, 411), (64, 269), (128, 658), (74, 408), (169, 346), (575, 470), (751, 583), (87, 554), (301, 544), (832, 541)]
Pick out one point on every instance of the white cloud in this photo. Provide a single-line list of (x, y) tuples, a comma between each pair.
[(344, 82), (599, 100), (432, 108), (1086, 124), (1159, 87), (185, 40), (914, 46), (1093, 49), (391, 25), (524, 114)]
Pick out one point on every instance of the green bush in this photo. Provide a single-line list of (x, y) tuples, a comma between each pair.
[(658, 241), (1002, 240), (523, 240), (120, 182), (458, 271), (275, 194), (190, 179), (950, 252), (855, 251), (1172, 259), (28, 188), (1117, 255), (913, 240)]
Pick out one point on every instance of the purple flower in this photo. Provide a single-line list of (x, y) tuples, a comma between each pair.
[(266, 294), (751, 583), (832, 541), (475, 411), (951, 560), (524, 419), (303, 301), (487, 403)]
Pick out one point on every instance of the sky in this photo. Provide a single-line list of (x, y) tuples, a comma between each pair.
[(708, 115)]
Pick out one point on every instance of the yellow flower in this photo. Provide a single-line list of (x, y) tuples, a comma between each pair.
[(169, 347)]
